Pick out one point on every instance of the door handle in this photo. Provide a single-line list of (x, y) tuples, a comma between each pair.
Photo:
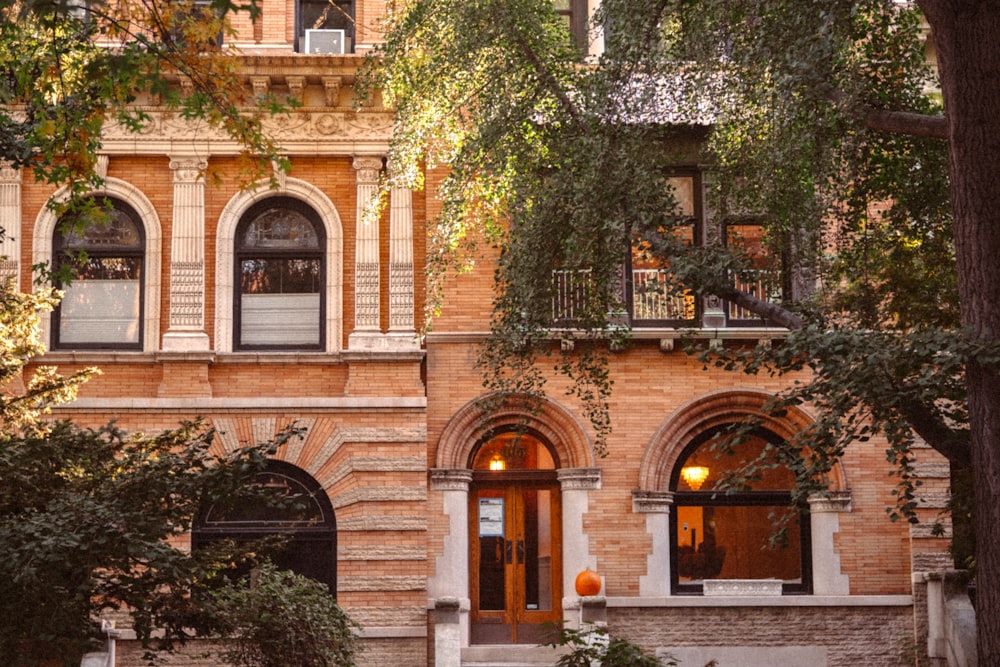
[(520, 552), (510, 552)]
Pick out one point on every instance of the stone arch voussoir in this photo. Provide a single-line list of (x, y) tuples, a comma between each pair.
[(705, 412), (552, 421)]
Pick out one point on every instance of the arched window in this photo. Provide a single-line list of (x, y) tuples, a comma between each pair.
[(726, 533), (308, 523), (103, 304), (280, 277)]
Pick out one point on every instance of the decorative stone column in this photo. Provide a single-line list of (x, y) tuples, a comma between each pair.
[(824, 520), (656, 506), (187, 258), (451, 568), (10, 220), (576, 485), (367, 305), (402, 330)]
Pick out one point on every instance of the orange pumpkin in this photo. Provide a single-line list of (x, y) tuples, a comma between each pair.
[(588, 583)]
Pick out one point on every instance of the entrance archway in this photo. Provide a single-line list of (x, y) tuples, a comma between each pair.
[(461, 474), (515, 540)]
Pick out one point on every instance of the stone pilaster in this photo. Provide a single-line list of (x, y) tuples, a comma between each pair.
[(401, 282), (576, 485), (367, 304), (187, 257), (656, 506), (10, 221), (824, 520), (451, 567)]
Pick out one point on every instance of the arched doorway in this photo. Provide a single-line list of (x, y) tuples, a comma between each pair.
[(515, 540)]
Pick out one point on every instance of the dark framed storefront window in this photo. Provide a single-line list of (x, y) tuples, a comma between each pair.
[(724, 533)]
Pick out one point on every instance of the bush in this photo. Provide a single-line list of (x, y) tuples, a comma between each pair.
[(595, 646), (280, 618)]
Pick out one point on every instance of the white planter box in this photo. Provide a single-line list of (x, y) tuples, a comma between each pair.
[(750, 587)]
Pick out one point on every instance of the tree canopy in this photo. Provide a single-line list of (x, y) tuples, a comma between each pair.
[(823, 122), (88, 515), (68, 67), (567, 166)]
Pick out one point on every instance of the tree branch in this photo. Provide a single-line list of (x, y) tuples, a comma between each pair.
[(948, 442), (907, 123), (767, 310)]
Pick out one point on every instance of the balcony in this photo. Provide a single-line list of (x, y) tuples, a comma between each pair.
[(651, 303)]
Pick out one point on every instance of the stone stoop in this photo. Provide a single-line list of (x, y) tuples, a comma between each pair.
[(508, 655), (95, 660)]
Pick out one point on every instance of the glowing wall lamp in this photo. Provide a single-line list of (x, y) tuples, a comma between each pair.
[(695, 476), (497, 462)]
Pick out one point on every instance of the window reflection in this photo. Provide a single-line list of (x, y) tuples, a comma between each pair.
[(102, 304), (722, 531), (280, 278)]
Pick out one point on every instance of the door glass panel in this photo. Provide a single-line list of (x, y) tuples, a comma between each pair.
[(537, 550), (492, 556)]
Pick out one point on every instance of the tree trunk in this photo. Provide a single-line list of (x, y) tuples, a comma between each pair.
[(967, 36)]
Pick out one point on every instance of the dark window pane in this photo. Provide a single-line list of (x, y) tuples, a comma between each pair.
[(110, 268), (280, 276), (735, 542), (327, 15), (102, 305), (308, 527)]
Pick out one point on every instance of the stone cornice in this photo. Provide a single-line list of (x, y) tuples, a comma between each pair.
[(311, 131)]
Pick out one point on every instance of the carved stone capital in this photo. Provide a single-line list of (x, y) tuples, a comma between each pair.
[(9, 173), (188, 169), (652, 502), (583, 479), (368, 169), (834, 501), (450, 479)]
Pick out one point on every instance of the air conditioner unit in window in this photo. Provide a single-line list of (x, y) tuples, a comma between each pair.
[(325, 41)]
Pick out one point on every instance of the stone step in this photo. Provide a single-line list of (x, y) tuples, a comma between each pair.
[(507, 655), (94, 660)]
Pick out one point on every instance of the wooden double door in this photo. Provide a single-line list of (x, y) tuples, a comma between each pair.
[(516, 568)]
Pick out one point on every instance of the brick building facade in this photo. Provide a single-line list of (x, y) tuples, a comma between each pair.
[(446, 547)]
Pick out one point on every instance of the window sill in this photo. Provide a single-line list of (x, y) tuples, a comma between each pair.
[(764, 601)]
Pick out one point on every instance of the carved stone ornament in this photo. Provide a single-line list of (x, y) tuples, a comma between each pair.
[(163, 126), (331, 89), (296, 87), (583, 479), (742, 587), (450, 479), (188, 169), (368, 169), (261, 84)]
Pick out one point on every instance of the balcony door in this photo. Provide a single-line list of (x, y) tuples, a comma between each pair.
[(515, 550)]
